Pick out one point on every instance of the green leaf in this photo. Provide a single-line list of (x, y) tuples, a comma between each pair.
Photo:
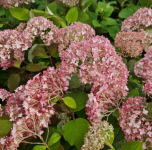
[(17, 64), (1, 25), (119, 140), (72, 15), (86, 5), (133, 93), (131, 65), (133, 145), (96, 23), (39, 147), (54, 138), (42, 4), (146, 3), (60, 147), (53, 49), (74, 131), (111, 149), (113, 30), (114, 122), (39, 52), (20, 13), (74, 81), (35, 67), (2, 11), (54, 100), (80, 99), (128, 11), (108, 21), (5, 126), (13, 82), (149, 108), (83, 17), (105, 9), (30, 56), (53, 6), (70, 102)]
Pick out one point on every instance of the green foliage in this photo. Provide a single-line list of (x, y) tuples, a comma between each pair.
[(128, 11), (104, 9), (70, 102), (149, 108), (5, 126), (53, 49), (119, 140), (133, 145), (13, 82), (74, 81), (17, 64), (35, 67), (74, 131), (39, 147), (80, 99), (39, 52), (72, 15), (146, 3), (54, 138), (20, 13)]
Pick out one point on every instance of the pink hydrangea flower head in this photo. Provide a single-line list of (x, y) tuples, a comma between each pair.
[(97, 63), (14, 3), (143, 69), (42, 89), (12, 44), (72, 34), (4, 94), (141, 19), (40, 27), (14, 107), (133, 121), (130, 43)]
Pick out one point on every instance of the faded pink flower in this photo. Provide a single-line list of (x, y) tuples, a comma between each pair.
[(14, 3), (130, 43), (74, 33), (133, 121)]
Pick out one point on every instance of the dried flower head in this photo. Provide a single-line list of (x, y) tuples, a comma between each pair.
[(98, 135)]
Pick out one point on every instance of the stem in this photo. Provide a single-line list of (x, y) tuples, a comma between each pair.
[(47, 134), (80, 4), (31, 142), (108, 144), (50, 57)]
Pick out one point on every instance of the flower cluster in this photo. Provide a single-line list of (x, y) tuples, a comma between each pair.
[(72, 34), (68, 2), (99, 134), (30, 107), (13, 43), (130, 43), (97, 63), (40, 26), (12, 46), (14, 3), (134, 122), (135, 35), (141, 19), (4, 94), (143, 69)]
